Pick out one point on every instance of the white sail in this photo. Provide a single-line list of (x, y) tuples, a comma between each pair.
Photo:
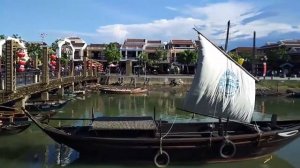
[(221, 88)]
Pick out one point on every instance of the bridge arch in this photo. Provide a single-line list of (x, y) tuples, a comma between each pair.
[(60, 44)]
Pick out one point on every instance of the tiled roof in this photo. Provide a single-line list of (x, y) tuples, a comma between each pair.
[(151, 48), (78, 44), (288, 43), (135, 40), (154, 41), (242, 49), (189, 42), (97, 45), (132, 46)]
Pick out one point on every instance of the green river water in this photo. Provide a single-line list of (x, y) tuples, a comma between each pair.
[(33, 149)]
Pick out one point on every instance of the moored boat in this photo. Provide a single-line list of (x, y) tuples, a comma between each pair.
[(13, 128), (115, 90), (42, 105), (225, 92), (12, 121)]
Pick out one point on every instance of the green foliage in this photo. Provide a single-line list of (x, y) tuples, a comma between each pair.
[(2, 36), (235, 56), (278, 54), (34, 49), (54, 45), (112, 53), (143, 57), (17, 36), (160, 54), (187, 57)]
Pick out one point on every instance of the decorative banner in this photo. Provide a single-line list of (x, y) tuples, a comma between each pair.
[(265, 69)]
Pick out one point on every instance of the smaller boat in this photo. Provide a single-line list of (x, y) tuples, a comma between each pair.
[(48, 105), (115, 90), (12, 121), (294, 95), (13, 128), (11, 115)]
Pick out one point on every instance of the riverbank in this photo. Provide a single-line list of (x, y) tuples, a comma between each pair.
[(265, 87)]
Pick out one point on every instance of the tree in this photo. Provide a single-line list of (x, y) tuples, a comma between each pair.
[(34, 50), (277, 56), (143, 57), (143, 60), (17, 36), (112, 53), (161, 54), (2, 36), (64, 56), (234, 56), (187, 57)]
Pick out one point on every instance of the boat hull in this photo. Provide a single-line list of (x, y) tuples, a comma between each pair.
[(14, 128), (206, 149)]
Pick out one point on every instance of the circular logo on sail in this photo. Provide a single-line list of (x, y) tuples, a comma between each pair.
[(229, 83)]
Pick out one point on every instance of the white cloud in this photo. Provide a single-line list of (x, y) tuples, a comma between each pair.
[(210, 19), (171, 8), (163, 29)]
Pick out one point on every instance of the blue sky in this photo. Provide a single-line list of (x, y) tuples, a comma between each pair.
[(104, 21)]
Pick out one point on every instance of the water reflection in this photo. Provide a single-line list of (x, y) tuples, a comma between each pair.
[(33, 148)]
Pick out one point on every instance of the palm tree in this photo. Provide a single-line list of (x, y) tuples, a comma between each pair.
[(187, 57)]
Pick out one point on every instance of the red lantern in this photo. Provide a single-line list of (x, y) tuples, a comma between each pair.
[(53, 57), (21, 69), (21, 54), (22, 62), (53, 63)]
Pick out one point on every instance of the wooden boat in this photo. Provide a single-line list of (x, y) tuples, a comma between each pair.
[(110, 90), (41, 105), (13, 128), (11, 115), (12, 121), (225, 91), (294, 95)]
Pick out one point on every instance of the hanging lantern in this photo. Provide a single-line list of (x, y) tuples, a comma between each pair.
[(22, 62), (21, 68), (21, 54), (53, 63), (53, 57)]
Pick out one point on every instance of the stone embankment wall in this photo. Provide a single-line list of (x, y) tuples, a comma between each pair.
[(151, 80)]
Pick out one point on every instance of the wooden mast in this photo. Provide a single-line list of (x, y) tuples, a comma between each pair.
[(227, 35)]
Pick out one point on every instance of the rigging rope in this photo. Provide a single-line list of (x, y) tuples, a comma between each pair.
[(161, 138)]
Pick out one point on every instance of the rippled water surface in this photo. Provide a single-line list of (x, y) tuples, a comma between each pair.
[(33, 148)]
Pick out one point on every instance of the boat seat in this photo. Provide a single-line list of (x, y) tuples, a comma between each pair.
[(123, 123)]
